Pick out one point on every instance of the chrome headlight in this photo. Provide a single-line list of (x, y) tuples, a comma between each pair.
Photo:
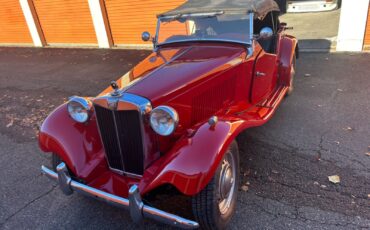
[(79, 109), (164, 120)]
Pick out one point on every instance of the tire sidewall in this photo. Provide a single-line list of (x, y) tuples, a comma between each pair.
[(224, 219)]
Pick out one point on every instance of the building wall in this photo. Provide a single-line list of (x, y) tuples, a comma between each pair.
[(66, 21), (107, 23), (352, 25), (367, 33), (128, 19), (13, 26)]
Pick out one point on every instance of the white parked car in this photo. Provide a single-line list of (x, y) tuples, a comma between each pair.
[(300, 6)]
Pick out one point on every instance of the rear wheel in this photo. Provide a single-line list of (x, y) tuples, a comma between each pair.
[(215, 205), (292, 75)]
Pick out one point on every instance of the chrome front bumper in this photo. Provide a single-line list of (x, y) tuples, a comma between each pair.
[(138, 210)]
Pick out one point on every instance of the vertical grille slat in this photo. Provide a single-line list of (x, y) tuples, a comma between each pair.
[(122, 139), (129, 131), (109, 137)]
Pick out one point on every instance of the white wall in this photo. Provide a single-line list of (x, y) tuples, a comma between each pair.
[(98, 20), (31, 23), (352, 25)]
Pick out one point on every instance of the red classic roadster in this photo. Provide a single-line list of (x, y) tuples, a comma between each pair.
[(217, 68)]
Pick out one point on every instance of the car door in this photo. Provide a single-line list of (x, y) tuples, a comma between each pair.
[(264, 76)]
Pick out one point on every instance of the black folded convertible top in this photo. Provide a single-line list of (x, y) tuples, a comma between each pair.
[(259, 7)]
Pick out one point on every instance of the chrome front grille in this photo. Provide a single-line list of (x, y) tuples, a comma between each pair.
[(122, 138)]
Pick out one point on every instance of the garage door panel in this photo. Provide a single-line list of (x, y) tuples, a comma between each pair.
[(128, 19), (66, 21), (367, 34), (13, 26)]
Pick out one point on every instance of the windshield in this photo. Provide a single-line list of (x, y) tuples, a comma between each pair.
[(208, 27)]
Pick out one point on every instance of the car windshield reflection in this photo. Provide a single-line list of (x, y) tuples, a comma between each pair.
[(209, 27)]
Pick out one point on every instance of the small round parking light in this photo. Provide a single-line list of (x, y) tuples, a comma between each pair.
[(79, 109), (164, 120)]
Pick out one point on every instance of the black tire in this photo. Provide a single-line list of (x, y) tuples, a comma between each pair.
[(55, 161), (206, 204), (292, 75)]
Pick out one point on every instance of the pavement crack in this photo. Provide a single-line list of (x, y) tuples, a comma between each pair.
[(26, 205)]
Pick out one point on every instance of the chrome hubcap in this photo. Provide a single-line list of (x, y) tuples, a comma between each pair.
[(227, 182)]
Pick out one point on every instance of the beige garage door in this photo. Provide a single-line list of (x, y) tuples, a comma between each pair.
[(13, 26), (66, 21), (128, 19)]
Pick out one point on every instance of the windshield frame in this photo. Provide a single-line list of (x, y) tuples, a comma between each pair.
[(249, 42)]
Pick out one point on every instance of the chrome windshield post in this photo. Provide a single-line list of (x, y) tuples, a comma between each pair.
[(155, 39), (251, 34), (251, 18)]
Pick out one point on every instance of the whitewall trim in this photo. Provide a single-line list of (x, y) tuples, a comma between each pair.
[(99, 25), (352, 25), (31, 23)]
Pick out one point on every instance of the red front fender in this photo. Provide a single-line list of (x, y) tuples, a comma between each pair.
[(189, 165), (78, 145), (192, 162)]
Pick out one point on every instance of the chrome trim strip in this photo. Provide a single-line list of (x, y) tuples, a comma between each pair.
[(251, 21), (142, 103), (133, 204), (251, 25), (123, 173), (155, 41)]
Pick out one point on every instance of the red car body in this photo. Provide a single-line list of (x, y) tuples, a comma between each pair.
[(185, 164), (241, 85)]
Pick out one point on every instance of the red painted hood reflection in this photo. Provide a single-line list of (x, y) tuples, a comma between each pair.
[(171, 69)]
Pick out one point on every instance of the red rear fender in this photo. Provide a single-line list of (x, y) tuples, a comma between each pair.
[(288, 47)]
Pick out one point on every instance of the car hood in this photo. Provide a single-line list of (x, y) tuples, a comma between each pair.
[(172, 69)]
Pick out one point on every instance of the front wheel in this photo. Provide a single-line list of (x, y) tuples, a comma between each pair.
[(215, 205)]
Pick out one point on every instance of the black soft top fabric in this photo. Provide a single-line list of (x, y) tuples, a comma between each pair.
[(259, 7)]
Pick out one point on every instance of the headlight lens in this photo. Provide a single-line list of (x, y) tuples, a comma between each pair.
[(79, 109), (164, 120)]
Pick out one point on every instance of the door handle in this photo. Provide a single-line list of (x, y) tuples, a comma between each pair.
[(260, 74)]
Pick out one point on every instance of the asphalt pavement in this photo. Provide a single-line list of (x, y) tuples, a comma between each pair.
[(319, 131)]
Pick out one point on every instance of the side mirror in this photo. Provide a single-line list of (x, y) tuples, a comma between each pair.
[(145, 36), (266, 32)]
